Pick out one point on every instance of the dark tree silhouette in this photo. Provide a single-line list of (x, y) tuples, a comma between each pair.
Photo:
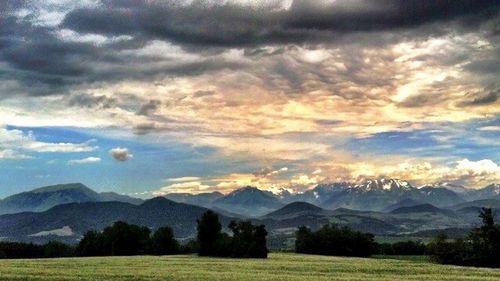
[(16, 250), (486, 215), (209, 230), (91, 245), (258, 249), (481, 248), (333, 240), (123, 239), (249, 241), (163, 242), (54, 249)]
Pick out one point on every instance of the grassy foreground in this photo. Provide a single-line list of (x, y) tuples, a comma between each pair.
[(276, 267)]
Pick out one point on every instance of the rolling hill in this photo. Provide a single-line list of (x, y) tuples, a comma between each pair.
[(296, 209), (424, 208), (44, 198), (78, 218)]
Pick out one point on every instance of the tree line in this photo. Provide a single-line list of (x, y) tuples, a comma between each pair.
[(123, 239), (333, 240), (480, 248)]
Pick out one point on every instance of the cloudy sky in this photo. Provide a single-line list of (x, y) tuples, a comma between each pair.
[(147, 97)]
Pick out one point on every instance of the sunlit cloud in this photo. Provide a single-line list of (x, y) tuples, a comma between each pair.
[(291, 87)]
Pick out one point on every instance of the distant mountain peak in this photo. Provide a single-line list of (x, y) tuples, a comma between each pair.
[(44, 198), (248, 200), (158, 201), (60, 187), (247, 188), (383, 184), (449, 186), (494, 186), (248, 191)]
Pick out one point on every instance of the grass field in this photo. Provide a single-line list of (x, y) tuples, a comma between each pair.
[(276, 267)]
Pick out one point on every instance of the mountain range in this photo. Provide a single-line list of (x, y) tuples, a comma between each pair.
[(383, 207)]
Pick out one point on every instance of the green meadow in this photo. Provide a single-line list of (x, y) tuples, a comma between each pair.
[(279, 266)]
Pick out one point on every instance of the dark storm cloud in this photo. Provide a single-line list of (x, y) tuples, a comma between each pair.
[(359, 15), (423, 100), (486, 97), (149, 108), (45, 64), (144, 128), (305, 21), (38, 60), (89, 101)]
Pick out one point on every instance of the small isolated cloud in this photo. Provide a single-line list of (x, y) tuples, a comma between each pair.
[(84, 160), (120, 154)]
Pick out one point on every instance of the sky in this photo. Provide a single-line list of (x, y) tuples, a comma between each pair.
[(149, 97)]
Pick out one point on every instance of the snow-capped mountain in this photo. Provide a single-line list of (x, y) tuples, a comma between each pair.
[(368, 195), (383, 184), (491, 191), (318, 194), (460, 189), (379, 194)]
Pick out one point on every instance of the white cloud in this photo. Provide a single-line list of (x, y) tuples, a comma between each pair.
[(465, 172), (183, 179), (64, 231), (120, 154), (191, 187), (490, 128), (9, 154), (84, 160), (13, 144), (484, 167), (59, 147)]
